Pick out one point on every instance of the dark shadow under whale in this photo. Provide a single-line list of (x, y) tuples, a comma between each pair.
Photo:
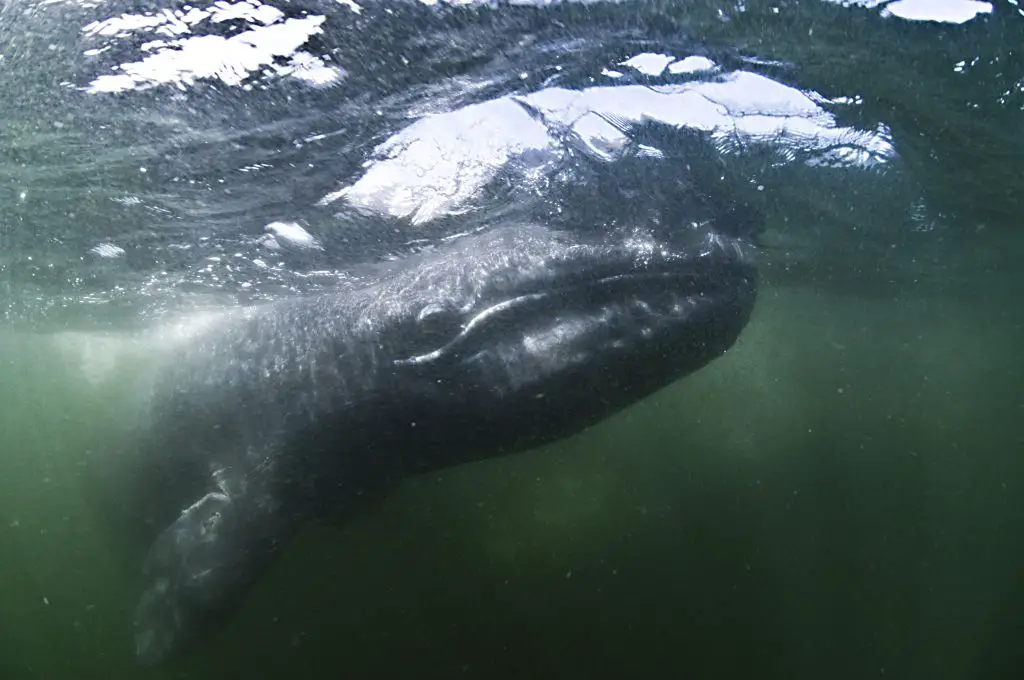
[(489, 344)]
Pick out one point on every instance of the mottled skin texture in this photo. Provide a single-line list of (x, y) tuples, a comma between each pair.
[(490, 344)]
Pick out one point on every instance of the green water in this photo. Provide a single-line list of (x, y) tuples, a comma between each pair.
[(840, 496)]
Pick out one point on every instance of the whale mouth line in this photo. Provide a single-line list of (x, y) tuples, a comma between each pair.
[(523, 301)]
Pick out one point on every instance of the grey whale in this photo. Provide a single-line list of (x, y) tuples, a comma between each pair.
[(489, 344)]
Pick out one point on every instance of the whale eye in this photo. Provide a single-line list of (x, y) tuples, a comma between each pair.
[(431, 311), (437, 321), (432, 327)]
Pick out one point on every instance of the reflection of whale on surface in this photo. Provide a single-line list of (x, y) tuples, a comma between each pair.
[(494, 343)]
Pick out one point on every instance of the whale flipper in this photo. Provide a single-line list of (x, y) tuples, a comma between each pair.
[(203, 563)]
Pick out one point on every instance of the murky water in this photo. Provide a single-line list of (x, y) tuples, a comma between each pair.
[(838, 496)]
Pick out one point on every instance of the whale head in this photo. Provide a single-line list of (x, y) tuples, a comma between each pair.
[(524, 334)]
